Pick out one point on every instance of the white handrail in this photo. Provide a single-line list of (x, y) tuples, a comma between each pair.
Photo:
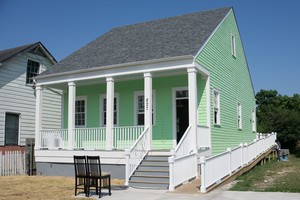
[(215, 168), (183, 157), (90, 138), (54, 138), (136, 154)]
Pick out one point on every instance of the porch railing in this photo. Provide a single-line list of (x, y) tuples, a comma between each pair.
[(125, 136), (215, 168), (90, 138), (182, 158), (136, 153), (54, 138)]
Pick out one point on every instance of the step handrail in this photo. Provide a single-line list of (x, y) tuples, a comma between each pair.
[(136, 154)]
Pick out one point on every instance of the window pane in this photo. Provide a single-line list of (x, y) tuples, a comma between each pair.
[(182, 93), (32, 71), (140, 119)]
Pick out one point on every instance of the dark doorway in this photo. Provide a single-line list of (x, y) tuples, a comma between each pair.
[(11, 129), (182, 117)]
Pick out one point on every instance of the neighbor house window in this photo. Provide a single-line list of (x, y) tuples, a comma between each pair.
[(104, 108), (239, 115), (33, 69), (216, 107), (140, 108), (80, 112), (233, 46)]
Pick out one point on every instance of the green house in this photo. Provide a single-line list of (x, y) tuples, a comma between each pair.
[(181, 80)]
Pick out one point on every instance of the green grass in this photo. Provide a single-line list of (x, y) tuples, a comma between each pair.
[(274, 176)]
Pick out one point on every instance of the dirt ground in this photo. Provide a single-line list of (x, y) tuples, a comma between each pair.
[(39, 188)]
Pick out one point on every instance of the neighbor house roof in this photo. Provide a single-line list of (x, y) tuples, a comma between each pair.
[(10, 53), (164, 38)]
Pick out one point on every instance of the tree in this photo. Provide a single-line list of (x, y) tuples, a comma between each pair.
[(281, 114)]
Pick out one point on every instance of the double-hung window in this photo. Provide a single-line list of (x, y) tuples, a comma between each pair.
[(103, 106), (233, 45), (80, 111), (33, 69), (216, 107), (140, 108), (239, 115)]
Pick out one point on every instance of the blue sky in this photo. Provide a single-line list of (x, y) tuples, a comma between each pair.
[(269, 29)]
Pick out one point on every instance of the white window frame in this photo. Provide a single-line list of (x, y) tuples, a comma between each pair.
[(216, 107), (39, 70), (253, 120), (141, 93), (233, 45), (81, 98), (101, 117), (239, 116)]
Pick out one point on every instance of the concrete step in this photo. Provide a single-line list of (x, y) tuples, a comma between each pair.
[(149, 185), (157, 157), (152, 172), (150, 167), (146, 178)]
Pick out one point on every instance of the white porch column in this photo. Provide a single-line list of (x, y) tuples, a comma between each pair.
[(192, 85), (71, 113), (148, 105), (109, 112), (38, 115)]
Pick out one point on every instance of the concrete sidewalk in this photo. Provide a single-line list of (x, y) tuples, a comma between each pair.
[(218, 194)]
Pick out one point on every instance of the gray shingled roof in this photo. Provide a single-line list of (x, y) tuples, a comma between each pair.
[(163, 38), (9, 53)]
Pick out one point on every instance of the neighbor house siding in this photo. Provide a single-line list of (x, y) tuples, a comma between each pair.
[(230, 76), (17, 97)]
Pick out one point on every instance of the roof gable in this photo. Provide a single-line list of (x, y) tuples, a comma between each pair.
[(158, 39), (36, 48)]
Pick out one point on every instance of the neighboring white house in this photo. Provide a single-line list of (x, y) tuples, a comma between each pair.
[(17, 93)]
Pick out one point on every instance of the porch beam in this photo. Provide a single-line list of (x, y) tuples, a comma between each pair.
[(38, 115), (109, 112), (148, 106), (192, 87), (71, 113)]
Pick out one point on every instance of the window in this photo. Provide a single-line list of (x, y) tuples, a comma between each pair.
[(140, 108), (233, 47), (80, 112), (239, 116), (216, 107), (103, 109), (12, 128), (33, 69), (253, 120)]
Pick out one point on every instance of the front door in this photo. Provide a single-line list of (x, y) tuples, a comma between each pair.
[(182, 113), (11, 129)]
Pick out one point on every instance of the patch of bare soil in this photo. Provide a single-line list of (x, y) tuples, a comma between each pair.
[(272, 177), (191, 187)]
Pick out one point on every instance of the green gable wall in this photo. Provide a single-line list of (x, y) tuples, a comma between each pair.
[(231, 77)]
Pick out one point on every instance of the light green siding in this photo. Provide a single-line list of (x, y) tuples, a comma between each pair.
[(201, 112), (231, 77), (163, 87)]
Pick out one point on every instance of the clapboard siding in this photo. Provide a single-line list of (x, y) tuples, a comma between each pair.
[(231, 77), (17, 97)]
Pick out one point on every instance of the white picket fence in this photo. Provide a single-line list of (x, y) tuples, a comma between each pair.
[(215, 168), (12, 163)]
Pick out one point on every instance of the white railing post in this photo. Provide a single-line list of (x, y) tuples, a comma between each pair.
[(127, 166), (171, 172), (242, 152), (203, 186), (230, 160)]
